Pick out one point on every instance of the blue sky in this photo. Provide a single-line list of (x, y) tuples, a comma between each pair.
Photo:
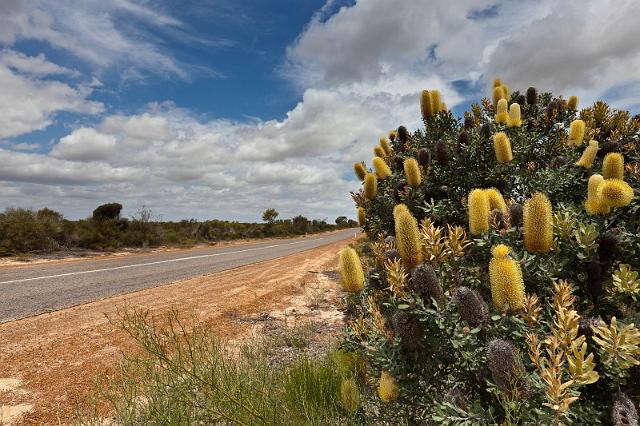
[(220, 108)]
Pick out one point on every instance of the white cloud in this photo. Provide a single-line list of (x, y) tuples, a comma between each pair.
[(85, 144)]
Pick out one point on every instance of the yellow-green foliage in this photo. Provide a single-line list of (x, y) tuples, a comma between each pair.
[(538, 224), (479, 208), (572, 104), (362, 216), (589, 155), (352, 276), (613, 166), (400, 208), (425, 104), (594, 205), (505, 275), (496, 200), (502, 116), (378, 151), (502, 147), (514, 119), (382, 169), (576, 132), (412, 172), (387, 388), (370, 186), (384, 144), (436, 103), (408, 239), (350, 395), (359, 170), (615, 193)]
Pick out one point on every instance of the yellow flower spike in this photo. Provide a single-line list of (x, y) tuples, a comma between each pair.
[(505, 276), (514, 119), (382, 169), (412, 172), (576, 132), (435, 101), (362, 216), (502, 116), (370, 186), (386, 147), (497, 82), (352, 276), (497, 95), (496, 200), (378, 151), (408, 239), (594, 205), (502, 147), (400, 208), (572, 104), (387, 388), (393, 134), (615, 193), (538, 224), (359, 170), (425, 104), (505, 91), (613, 166), (589, 155), (479, 208)]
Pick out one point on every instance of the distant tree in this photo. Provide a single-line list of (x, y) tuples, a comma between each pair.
[(270, 215), (300, 224), (342, 221), (46, 214), (107, 211)]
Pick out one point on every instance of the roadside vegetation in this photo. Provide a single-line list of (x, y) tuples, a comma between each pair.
[(44, 231)]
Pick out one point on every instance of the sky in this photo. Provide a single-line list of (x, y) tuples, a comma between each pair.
[(223, 108)]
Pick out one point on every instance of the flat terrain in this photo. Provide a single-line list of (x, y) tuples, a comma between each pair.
[(34, 289), (48, 362)]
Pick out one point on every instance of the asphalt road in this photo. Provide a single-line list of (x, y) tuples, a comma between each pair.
[(31, 290)]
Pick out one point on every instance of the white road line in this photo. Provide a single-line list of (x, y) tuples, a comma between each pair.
[(115, 268)]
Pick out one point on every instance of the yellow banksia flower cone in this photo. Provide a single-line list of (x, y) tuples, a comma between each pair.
[(615, 193), (538, 224), (572, 104), (350, 395), (435, 101), (497, 95), (496, 200), (613, 166), (412, 172), (378, 151), (576, 132), (514, 119), (594, 205), (400, 208), (362, 216), (502, 116), (387, 387), (425, 104), (502, 147), (589, 155), (497, 82), (505, 91), (505, 276), (359, 170), (479, 208), (351, 274), (370, 186), (408, 239), (382, 169), (386, 147)]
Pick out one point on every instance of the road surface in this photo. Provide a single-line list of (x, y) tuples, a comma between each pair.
[(32, 290)]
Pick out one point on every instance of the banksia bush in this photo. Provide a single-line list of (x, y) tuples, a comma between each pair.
[(502, 147), (408, 239), (505, 275), (538, 224), (589, 155), (615, 193), (613, 166), (576, 132), (359, 170), (382, 169), (412, 172), (479, 208), (352, 276), (370, 186)]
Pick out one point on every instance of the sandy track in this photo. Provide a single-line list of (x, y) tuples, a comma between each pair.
[(48, 362)]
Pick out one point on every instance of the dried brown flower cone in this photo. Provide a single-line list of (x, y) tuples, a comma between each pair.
[(515, 212), (506, 367), (532, 96), (471, 307), (424, 157), (402, 134), (442, 153), (424, 283), (624, 412), (408, 328)]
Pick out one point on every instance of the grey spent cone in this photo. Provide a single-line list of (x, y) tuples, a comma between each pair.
[(624, 412), (471, 307), (506, 367), (424, 282), (408, 328)]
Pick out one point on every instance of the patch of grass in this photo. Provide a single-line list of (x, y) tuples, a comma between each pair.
[(183, 375)]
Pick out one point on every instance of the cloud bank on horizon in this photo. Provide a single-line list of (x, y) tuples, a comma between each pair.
[(112, 101)]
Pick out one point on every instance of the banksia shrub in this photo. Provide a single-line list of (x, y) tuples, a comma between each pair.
[(370, 186), (408, 239), (624, 412), (502, 116), (538, 224), (386, 147), (382, 169), (572, 104), (407, 327), (471, 307), (506, 367), (515, 119), (362, 216), (615, 193), (424, 283), (479, 208), (359, 170), (502, 148), (613, 166), (425, 105), (576, 132), (387, 387), (589, 155), (352, 276), (412, 172), (505, 275)]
